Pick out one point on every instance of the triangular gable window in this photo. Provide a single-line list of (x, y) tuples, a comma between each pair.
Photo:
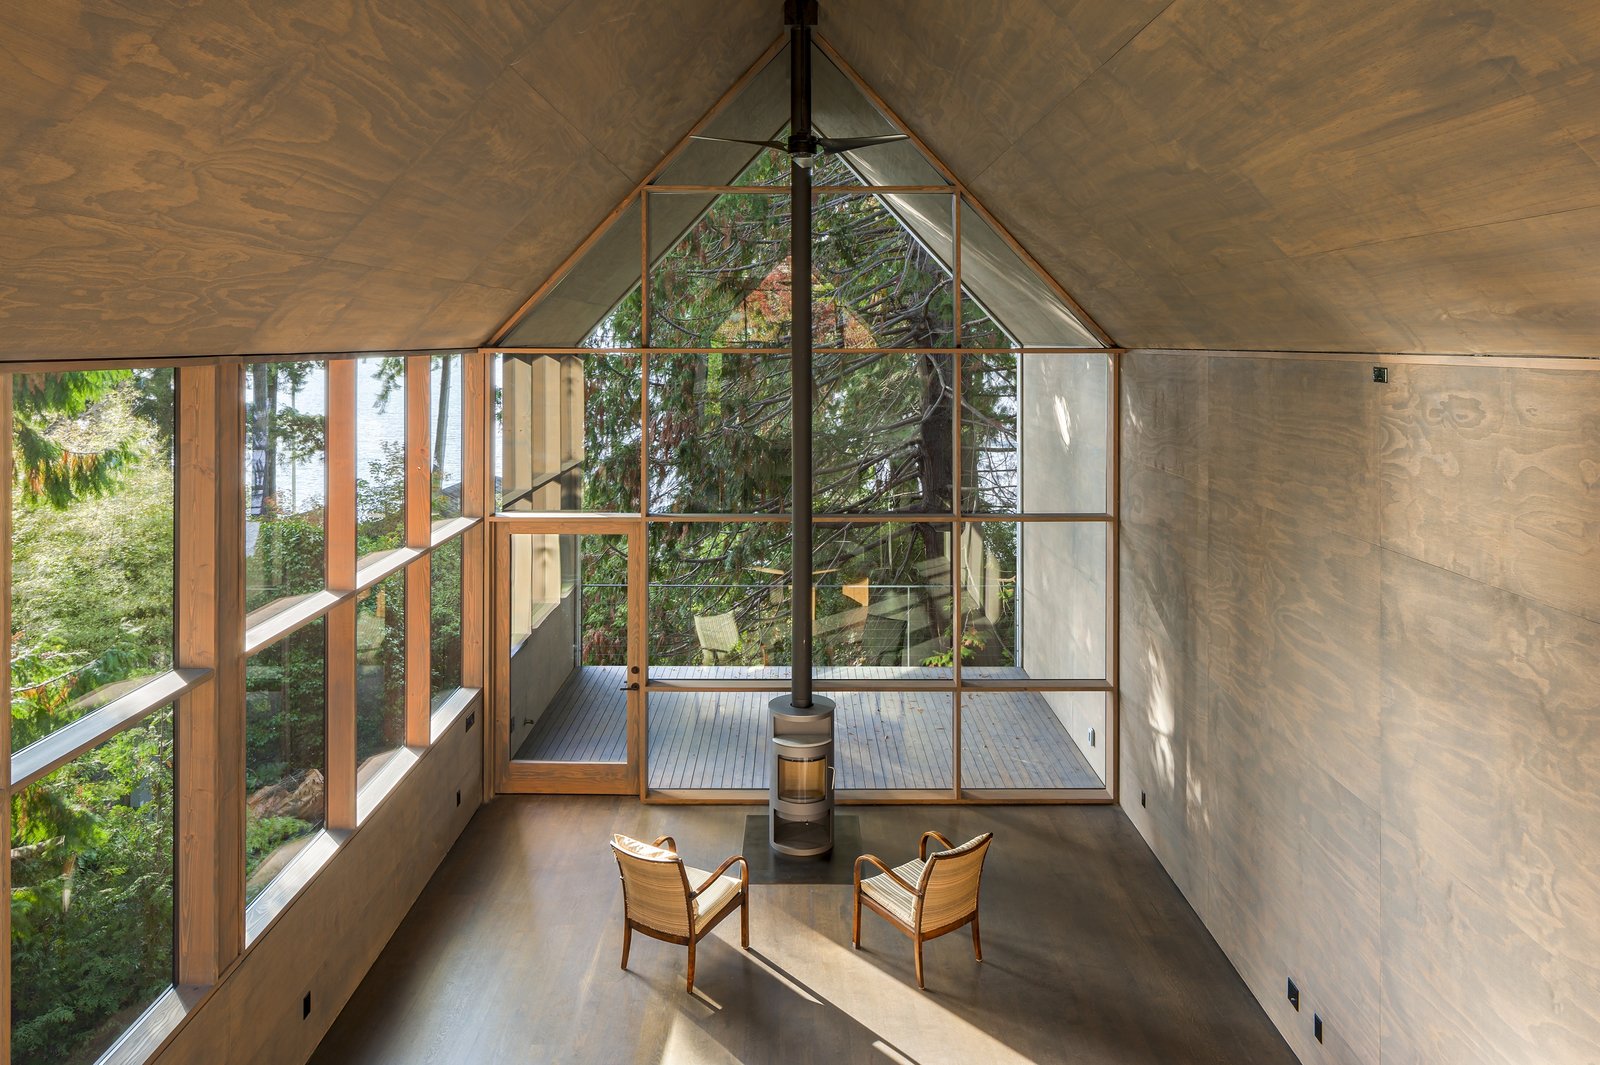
[(884, 262)]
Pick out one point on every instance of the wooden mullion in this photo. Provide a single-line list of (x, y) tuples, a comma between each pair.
[(228, 679), (477, 498), (1113, 703), (198, 730), (419, 534), (339, 632), (419, 626), (340, 635)]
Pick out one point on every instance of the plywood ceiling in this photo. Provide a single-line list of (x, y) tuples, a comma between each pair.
[(233, 176)]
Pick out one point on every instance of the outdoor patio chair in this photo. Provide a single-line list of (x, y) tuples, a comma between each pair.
[(927, 896), (677, 903), (718, 635)]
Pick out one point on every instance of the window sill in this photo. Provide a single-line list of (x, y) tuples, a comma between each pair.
[(450, 711), (300, 871), (372, 793)]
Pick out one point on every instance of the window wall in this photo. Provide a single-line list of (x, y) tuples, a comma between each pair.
[(237, 594), (962, 452)]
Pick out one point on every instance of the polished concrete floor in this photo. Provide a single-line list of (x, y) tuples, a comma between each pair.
[(1091, 955)]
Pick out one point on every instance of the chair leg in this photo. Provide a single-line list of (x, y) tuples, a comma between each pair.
[(918, 941), (627, 941), (977, 947), (744, 921), (855, 929), (691, 965)]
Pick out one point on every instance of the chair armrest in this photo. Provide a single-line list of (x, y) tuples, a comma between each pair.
[(670, 843), (744, 874), (896, 877), (922, 844)]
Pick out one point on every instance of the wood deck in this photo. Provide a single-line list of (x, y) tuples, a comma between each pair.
[(887, 740)]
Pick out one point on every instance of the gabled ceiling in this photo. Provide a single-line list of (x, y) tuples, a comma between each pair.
[(215, 176)]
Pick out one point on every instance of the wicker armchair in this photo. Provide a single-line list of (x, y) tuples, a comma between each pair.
[(668, 900), (927, 896)]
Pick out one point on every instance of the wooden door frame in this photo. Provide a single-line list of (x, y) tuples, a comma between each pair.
[(570, 778)]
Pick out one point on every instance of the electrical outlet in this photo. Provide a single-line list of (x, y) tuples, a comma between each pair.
[(1143, 799), (458, 797), (305, 1006), (1380, 375), (1294, 995), (1316, 1026), (1091, 737), (472, 719)]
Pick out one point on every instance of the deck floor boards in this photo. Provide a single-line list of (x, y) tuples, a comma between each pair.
[(887, 740)]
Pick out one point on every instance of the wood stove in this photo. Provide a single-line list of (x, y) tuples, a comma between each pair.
[(800, 802)]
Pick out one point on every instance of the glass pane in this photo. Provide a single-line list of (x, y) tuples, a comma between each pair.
[(286, 483), (1033, 739), (380, 456), (91, 896), (1034, 434), (719, 433), (380, 674), (1012, 292), (91, 582), (881, 270), (568, 433), (445, 659), (894, 740), (445, 414), (883, 601), (840, 109), (709, 740), (719, 600), (1034, 600), (724, 282), (569, 654), (883, 432), (596, 304), (286, 718)]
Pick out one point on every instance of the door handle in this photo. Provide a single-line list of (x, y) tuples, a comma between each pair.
[(629, 687)]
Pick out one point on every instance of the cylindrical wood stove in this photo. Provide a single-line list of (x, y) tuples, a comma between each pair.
[(800, 802)]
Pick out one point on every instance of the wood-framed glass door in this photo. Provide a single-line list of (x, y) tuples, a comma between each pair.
[(568, 655)]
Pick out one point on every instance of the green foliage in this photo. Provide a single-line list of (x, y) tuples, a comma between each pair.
[(91, 903), (264, 835)]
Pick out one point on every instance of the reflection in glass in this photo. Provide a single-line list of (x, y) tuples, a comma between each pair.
[(92, 546), (380, 674), (568, 433), (286, 482), (883, 433), (1017, 739), (719, 599), (883, 601), (1034, 600), (445, 418), (445, 629), (286, 719), (91, 895), (719, 433)]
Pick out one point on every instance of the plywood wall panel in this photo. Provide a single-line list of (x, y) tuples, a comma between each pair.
[(1495, 474), (1402, 756), (1164, 416), (1491, 758)]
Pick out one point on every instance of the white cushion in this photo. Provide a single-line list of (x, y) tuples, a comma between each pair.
[(891, 896), (710, 902), (639, 849)]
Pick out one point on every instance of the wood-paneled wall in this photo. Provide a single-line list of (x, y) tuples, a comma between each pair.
[(1361, 691)]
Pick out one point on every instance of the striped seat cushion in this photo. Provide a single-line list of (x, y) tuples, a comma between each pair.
[(710, 902), (891, 896)]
